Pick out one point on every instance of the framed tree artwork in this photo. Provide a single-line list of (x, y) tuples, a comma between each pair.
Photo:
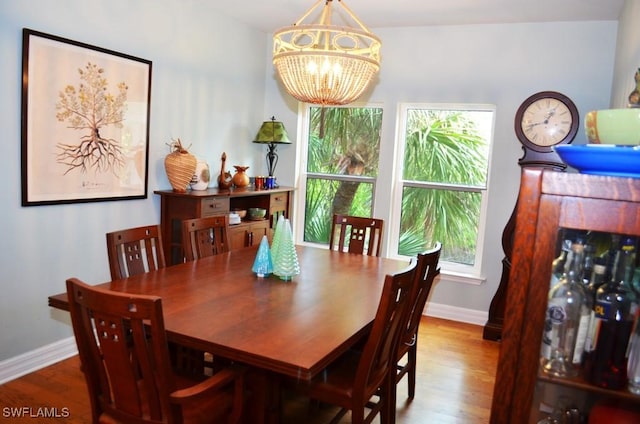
[(85, 122)]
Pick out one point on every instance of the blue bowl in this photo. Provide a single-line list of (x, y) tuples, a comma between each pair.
[(602, 159)]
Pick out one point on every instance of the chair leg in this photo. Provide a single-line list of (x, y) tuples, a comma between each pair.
[(357, 415), (411, 380), (388, 414)]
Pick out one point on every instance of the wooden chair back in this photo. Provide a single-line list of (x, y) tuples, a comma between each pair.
[(125, 359), (135, 251), (377, 366), (427, 270), (202, 237), (354, 234)]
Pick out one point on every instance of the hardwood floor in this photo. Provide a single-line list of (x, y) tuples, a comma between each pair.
[(456, 372)]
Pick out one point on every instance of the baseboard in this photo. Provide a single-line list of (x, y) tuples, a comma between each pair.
[(20, 365), (453, 313), (36, 359)]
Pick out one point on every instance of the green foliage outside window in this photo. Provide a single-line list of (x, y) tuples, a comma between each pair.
[(443, 147), (343, 143), (444, 172)]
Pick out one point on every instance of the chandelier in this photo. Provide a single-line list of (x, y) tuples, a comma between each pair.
[(326, 64)]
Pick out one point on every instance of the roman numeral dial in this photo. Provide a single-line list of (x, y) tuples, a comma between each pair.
[(545, 120)]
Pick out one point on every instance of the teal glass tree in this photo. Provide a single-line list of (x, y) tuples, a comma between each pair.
[(263, 265), (286, 264)]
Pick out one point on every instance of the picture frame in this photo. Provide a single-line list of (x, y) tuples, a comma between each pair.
[(85, 122)]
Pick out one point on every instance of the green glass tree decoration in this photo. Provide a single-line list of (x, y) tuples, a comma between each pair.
[(263, 265), (276, 236), (286, 263)]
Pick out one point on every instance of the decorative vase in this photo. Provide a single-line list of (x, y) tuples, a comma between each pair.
[(180, 166), (263, 265), (240, 178), (286, 263), (202, 176)]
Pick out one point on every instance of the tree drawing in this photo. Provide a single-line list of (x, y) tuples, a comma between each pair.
[(90, 108)]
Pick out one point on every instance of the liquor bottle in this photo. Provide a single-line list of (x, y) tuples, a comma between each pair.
[(558, 265), (596, 281), (635, 283), (615, 312), (633, 364), (609, 255), (589, 263), (598, 276), (567, 320)]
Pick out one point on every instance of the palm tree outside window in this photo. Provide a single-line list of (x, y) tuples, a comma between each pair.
[(440, 191)]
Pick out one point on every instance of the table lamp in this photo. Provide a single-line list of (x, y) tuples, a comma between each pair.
[(272, 133)]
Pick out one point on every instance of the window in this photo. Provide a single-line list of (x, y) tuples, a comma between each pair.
[(343, 145), (442, 192), (438, 194)]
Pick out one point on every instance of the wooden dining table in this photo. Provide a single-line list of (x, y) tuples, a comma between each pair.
[(293, 328)]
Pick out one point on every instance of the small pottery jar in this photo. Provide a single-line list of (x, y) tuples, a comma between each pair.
[(202, 176), (240, 178)]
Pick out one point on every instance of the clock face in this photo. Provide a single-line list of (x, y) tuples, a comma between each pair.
[(546, 119)]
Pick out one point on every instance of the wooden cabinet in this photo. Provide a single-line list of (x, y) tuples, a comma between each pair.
[(176, 207), (550, 201), (248, 234)]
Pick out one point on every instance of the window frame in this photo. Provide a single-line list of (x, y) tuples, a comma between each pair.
[(471, 274), (454, 272), (302, 175)]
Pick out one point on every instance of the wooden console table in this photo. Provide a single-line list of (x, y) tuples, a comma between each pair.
[(176, 207)]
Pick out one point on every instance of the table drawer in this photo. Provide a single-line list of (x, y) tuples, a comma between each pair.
[(278, 201), (214, 206)]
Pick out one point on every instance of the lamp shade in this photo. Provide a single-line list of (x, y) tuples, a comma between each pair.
[(324, 63), (272, 132)]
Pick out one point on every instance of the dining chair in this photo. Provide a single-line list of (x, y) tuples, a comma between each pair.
[(426, 271), (124, 356), (135, 251), (359, 376), (354, 234), (202, 237)]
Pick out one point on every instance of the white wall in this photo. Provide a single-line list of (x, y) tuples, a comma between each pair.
[(497, 64), (207, 89), (627, 54)]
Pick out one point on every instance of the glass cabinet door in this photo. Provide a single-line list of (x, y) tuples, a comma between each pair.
[(553, 207), (588, 356)]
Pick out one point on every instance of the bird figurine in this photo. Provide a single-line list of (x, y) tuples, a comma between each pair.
[(225, 178)]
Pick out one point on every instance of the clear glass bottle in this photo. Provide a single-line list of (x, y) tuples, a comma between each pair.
[(567, 320), (559, 263), (615, 312)]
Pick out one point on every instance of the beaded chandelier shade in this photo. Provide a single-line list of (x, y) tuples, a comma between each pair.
[(326, 64)]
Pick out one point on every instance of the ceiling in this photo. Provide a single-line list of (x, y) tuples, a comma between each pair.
[(269, 15)]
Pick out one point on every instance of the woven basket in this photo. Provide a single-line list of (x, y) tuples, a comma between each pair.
[(180, 166)]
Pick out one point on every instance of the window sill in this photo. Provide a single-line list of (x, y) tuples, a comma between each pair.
[(457, 277)]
